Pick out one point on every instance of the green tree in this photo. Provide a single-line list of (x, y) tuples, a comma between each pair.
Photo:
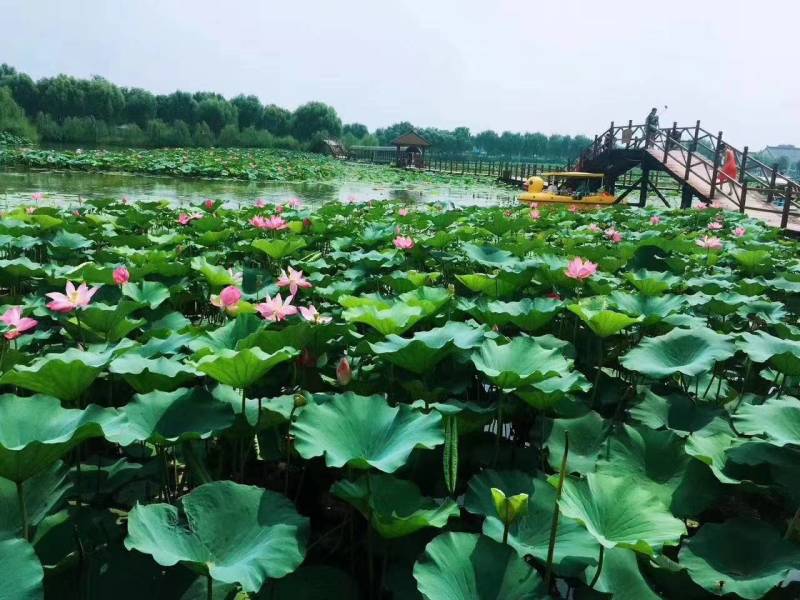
[(203, 136), (229, 136), (357, 130), (13, 119), (387, 134), (250, 110), (216, 113), (61, 97), (177, 106), (103, 100), (276, 120), (314, 118), (488, 141), (140, 106)]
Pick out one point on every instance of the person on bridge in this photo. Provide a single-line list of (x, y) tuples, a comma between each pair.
[(651, 127), (730, 170)]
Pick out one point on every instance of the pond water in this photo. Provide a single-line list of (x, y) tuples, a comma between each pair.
[(16, 187)]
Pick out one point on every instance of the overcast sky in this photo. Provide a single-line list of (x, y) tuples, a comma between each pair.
[(551, 66)]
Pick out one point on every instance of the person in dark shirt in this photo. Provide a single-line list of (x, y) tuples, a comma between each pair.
[(651, 127)]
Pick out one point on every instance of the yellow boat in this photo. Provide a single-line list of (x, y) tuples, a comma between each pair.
[(567, 187)]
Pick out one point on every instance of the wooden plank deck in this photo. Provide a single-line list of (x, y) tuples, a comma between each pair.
[(701, 171)]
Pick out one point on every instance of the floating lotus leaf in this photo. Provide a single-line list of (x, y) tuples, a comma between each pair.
[(465, 566), (235, 533), (394, 507), (652, 283), (149, 374), (422, 352), (520, 362), (529, 314), (489, 256), (495, 286), (619, 513), (364, 432), (530, 534), (36, 431), (689, 352), (604, 322), (149, 293), (167, 418), (66, 375), (241, 369), (21, 573), (783, 354), (743, 556), (777, 420), (279, 248)]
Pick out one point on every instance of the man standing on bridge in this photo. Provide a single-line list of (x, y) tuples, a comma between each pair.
[(651, 127)]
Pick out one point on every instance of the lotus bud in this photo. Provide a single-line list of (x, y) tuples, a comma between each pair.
[(300, 401), (509, 508), (343, 372), (451, 289)]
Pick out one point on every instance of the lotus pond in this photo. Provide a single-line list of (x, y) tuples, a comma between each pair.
[(397, 401)]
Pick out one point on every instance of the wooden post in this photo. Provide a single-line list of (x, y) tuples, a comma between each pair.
[(692, 150), (630, 129), (717, 158), (686, 196), (743, 200), (594, 148), (670, 136), (787, 204), (611, 138), (772, 180), (645, 182)]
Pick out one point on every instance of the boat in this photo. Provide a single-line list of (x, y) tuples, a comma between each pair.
[(567, 187)]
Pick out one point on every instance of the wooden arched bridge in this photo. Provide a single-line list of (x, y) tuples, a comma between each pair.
[(692, 157)]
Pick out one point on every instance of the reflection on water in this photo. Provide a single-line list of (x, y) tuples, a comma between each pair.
[(67, 187)]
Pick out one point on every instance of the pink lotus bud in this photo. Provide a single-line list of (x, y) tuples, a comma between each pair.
[(121, 275), (343, 373)]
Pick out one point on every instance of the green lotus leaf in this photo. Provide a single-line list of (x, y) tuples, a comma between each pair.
[(652, 283), (364, 432), (777, 420), (679, 351), (676, 412), (395, 320), (21, 573), (489, 256), (586, 436), (495, 286), (711, 445), (656, 461), (149, 374), (465, 566), (619, 513), (235, 533), (529, 314), (36, 431), (574, 549), (762, 347), (217, 277), (149, 293), (394, 507), (422, 352), (743, 556), (66, 375), (773, 313), (621, 577), (231, 334), (546, 394), (520, 362), (241, 369), (429, 299), (110, 321), (604, 322), (300, 334), (42, 492), (652, 308), (167, 418), (753, 261), (279, 248)]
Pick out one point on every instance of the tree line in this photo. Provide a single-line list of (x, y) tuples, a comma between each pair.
[(65, 109)]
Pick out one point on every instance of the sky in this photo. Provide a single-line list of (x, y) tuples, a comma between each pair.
[(556, 67)]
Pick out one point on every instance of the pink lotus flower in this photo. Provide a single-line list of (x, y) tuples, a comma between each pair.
[(709, 243), (209, 204), (37, 196), (295, 203), (702, 206), (19, 324), (740, 232), (534, 205), (279, 208), (311, 314), (30, 210), (580, 269), (293, 280), (228, 298), (716, 204), (535, 214), (403, 212), (613, 235), (124, 199), (343, 372), (573, 208), (277, 309), (261, 203), (184, 219), (655, 220), (121, 275), (403, 243), (258, 222), (74, 298), (715, 226), (275, 224), (594, 228)]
